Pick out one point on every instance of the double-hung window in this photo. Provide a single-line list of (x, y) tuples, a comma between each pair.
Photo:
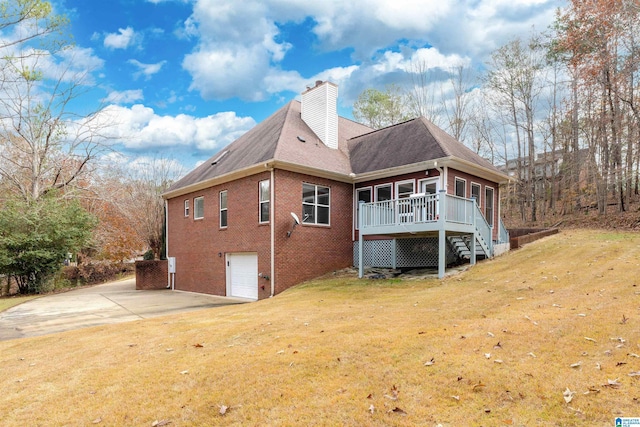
[(488, 205), (315, 204), (186, 208), (475, 193), (265, 196), (383, 192), (223, 209), (198, 208), (461, 187)]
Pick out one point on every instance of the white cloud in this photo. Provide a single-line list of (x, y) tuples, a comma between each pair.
[(146, 70), (240, 48), (124, 97), (124, 38), (140, 128)]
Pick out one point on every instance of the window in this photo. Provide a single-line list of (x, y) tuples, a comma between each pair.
[(475, 192), (315, 204), (404, 189), (362, 195), (223, 209), (186, 207), (198, 208), (383, 192), (430, 186), (265, 197), (488, 205), (461, 187)]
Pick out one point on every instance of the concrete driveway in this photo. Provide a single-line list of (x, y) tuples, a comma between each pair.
[(113, 302)]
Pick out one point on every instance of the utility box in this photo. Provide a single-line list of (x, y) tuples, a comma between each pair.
[(172, 264)]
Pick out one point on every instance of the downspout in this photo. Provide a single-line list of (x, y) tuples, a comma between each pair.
[(272, 226), (443, 181), (166, 240)]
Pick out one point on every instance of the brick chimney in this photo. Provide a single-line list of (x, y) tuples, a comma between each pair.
[(320, 111)]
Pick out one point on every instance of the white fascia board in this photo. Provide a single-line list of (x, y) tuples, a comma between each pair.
[(255, 169), (231, 176), (398, 170), (477, 170)]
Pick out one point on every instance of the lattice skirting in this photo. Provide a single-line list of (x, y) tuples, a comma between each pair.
[(418, 252)]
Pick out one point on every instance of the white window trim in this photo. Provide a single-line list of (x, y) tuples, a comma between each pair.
[(406, 181), (223, 209), (315, 205), (434, 180), (356, 198), (480, 198), (493, 208), (375, 190), (186, 208), (261, 202), (195, 211), (455, 186)]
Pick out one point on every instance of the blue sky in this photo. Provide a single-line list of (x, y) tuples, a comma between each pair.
[(183, 78)]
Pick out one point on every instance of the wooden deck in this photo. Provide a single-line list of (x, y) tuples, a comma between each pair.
[(423, 214)]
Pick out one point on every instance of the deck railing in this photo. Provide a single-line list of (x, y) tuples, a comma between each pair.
[(417, 209), (459, 209), (411, 210), (484, 229), (503, 234)]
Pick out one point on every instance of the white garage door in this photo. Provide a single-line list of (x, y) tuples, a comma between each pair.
[(242, 275)]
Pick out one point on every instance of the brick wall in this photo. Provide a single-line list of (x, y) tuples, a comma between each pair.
[(200, 245), (151, 274), (312, 250)]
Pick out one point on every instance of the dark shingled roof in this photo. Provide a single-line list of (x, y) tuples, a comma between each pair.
[(286, 138), (276, 138), (414, 141)]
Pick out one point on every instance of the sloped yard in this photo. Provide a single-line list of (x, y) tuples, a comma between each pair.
[(545, 335)]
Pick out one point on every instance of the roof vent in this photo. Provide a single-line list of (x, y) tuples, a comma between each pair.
[(301, 139), (215, 162)]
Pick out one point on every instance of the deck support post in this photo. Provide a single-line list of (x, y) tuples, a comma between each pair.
[(472, 259), (442, 252), (394, 259), (360, 243), (442, 235)]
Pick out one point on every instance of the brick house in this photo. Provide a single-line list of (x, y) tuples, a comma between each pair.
[(307, 192)]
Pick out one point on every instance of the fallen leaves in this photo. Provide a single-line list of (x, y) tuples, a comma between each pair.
[(398, 411), (430, 362), (590, 339), (160, 423), (612, 383), (568, 395), (393, 394), (479, 387)]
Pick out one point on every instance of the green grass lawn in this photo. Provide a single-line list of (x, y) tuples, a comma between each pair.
[(545, 335)]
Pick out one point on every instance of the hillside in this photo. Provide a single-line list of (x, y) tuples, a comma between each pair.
[(545, 335)]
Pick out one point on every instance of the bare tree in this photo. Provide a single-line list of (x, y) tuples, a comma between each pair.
[(45, 146), (421, 98)]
